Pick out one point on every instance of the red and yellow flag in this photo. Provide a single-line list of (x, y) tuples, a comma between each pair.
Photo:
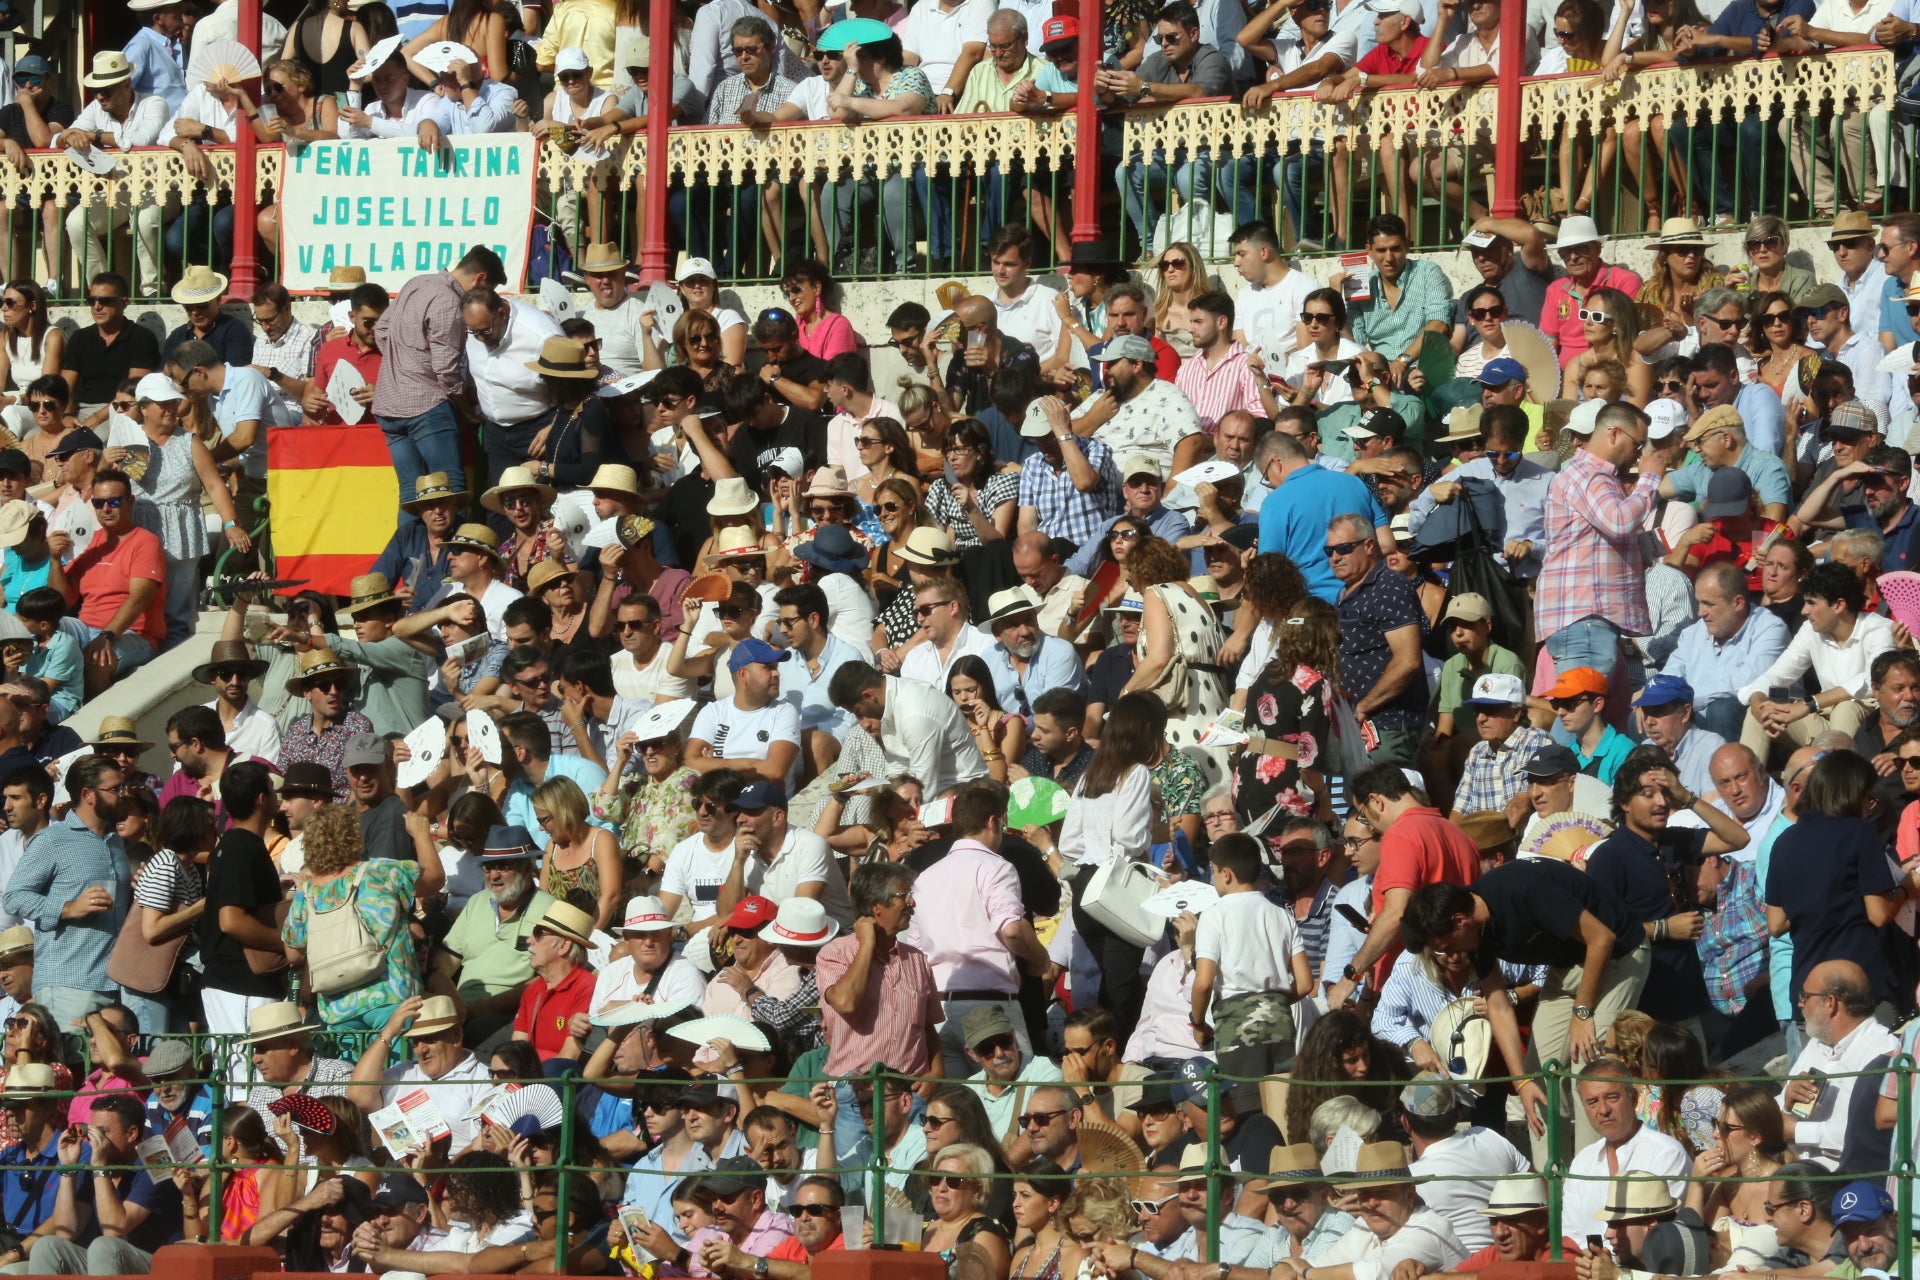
[(336, 501)]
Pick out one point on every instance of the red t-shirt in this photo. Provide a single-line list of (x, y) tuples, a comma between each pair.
[(1491, 1254), (103, 575), (1419, 849), (332, 352), (545, 1011)]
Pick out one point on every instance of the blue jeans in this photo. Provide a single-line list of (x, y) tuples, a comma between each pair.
[(1590, 642), (67, 1004), (183, 584), (186, 238), (935, 194), (1143, 186), (132, 650), (1712, 183), (153, 1012), (428, 442)]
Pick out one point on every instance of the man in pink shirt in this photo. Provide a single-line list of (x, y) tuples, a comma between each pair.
[(980, 936), (1418, 847), (741, 1219), (878, 999), (1579, 245)]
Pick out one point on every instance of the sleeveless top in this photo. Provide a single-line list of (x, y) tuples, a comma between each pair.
[(25, 366), (563, 112), (579, 886), (168, 496), (330, 75)]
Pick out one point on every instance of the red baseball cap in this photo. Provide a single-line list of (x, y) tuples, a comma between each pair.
[(753, 913), (1054, 30)]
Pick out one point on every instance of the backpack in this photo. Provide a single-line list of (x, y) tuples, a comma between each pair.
[(342, 954)]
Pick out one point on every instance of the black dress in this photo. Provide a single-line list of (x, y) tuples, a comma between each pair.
[(330, 76)]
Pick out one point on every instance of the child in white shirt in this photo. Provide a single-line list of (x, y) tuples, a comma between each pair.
[(1249, 966)]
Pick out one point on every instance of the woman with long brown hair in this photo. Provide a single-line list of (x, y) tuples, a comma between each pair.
[(982, 502), (327, 38), (478, 25), (1111, 817), (898, 510), (1750, 1144), (1341, 1057), (34, 344), (1291, 706), (1777, 337)]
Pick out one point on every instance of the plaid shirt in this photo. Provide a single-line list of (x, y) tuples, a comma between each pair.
[(1733, 948), (290, 357), (1594, 564), (1496, 773), (724, 108), (1425, 296), (301, 745), (1065, 512)]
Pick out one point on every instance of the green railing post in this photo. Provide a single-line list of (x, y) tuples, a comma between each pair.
[(877, 1182), (1555, 1170), (1902, 1162), (1213, 1162), (568, 1120), (215, 1183)]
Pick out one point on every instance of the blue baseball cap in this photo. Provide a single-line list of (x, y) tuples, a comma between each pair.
[(1664, 691), (1861, 1201), (1498, 373), (32, 65), (761, 794), (754, 649)]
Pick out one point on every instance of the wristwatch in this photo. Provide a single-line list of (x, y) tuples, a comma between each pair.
[(1584, 1012), (1813, 704), (1346, 971), (760, 1266)]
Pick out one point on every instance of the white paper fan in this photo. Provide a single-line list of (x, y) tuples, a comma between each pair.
[(482, 733), (64, 763), (536, 1101), (221, 62), (440, 56), (573, 516), (637, 1011), (556, 301), (428, 743), (95, 160), (1188, 895), (664, 300), (735, 1030)]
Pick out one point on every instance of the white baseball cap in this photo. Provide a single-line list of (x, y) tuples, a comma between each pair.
[(1664, 417), (574, 59), (1585, 416)]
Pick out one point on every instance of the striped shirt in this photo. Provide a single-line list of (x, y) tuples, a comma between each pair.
[(423, 344), (1314, 925), (1594, 564), (1411, 1000), (1221, 389)]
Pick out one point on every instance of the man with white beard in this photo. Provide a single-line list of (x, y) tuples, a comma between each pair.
[(1025, 661), (484, 953)]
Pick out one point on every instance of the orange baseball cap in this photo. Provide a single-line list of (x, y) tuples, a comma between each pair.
[(1577, 681)]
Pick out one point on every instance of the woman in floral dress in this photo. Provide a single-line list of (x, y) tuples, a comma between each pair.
[(1289, 706), (652, 808)]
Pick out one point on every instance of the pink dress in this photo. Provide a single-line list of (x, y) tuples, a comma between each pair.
[(830, 335)]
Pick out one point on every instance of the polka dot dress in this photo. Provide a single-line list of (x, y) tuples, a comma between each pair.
[(1197, 638)]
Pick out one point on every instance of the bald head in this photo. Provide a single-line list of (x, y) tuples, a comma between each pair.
[(1835, 998), (1830, 973), (1036, 561), (976, 310)]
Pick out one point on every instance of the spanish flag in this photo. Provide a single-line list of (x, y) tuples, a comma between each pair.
[(335, 502)]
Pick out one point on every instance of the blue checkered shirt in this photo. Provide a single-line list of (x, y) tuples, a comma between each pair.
[(1496, 773), (1065, 512), (1733, 947)]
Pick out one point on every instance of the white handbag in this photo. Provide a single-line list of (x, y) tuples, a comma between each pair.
[(1117, 896)]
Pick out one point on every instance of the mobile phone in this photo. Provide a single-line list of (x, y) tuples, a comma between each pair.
[(1596, 1244), (1779, 693), (1352, 916), (1805, 1109)]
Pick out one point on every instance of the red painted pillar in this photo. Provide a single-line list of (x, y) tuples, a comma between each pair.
[(245, 271), (1507, 140), (1086, 128), (654, 255)]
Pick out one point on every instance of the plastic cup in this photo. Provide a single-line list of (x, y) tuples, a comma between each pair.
[(852, 1219)]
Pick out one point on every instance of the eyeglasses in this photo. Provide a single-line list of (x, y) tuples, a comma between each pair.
[(108, 504), (823, 510), (1151, 1207), (932, 1121), (1722, 1128), (926, 610), (702, 339), (868, 442), (748, 50), (998, 47), (950, 1181), (229, 673), (1316, 317), (890, 508), (1487, 313), (1342, 548), (1039, 1119), (1805, 996), (10, 303), (1770, 1208), (44, 406), (502, 1073), (28, 80), (1172, 264), (329, 684), (1765, 242), (1563, 33), (811, 1210), (1568, 704), (104, 300), (1718, 323), (1354, 842), (1123, 535), (1591, 316), (1909, 762), (793, 290), (125, 406), (518, 499), (1503, 455), (1670, 384), (999, 1043), (113, 790)]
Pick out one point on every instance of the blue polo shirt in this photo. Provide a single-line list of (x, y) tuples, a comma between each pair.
[(28, 1184), (1607, 757), (1902, 552), (1893, 312), (1294, 519)]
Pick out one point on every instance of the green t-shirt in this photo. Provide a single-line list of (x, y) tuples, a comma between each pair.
[(490, 958), (1456, 679), (808, 1066)]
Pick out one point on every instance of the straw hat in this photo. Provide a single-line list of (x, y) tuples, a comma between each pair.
[(647, 914), (604, 258), (1294, 1166), (927, 545), (1850, 225), (1380, 1164), (16, 519), (544, 574), (118, 731), (568, 921), (199, 284), (229, 653), (1627, 1199), (110, 67), (431, 487), (16, 943), (732, 497), (1464, 423), (563, 358), (476, 537), (1680, 233), (27, 1080), (510, 479), (829, 481), (437, 1013), (613, 477), (272, 1021), (346, 277), (317, 662), (1515, 1196), (738, 542), (1011, 603), (368, 591)]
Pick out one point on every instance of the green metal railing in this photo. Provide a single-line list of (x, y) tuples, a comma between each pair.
[(1556, 1078)]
